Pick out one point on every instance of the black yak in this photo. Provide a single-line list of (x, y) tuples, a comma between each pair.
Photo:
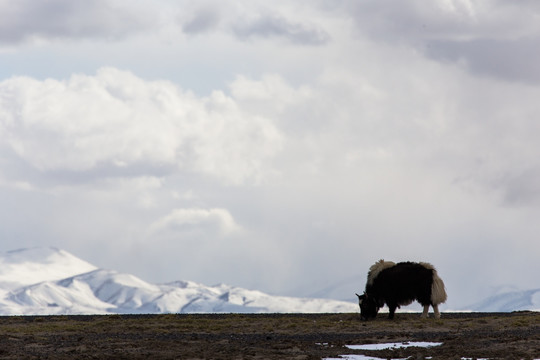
[(400, 284)]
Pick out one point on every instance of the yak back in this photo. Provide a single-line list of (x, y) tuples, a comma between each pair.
[(402, 284)]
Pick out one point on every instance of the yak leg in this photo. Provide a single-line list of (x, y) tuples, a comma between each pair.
[(436, 311), (425, 313), (392, 309)]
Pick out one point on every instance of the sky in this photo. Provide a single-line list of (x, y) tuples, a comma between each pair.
[(284, 147)]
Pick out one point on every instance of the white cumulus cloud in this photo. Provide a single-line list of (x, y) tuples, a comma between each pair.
[(117, 120)]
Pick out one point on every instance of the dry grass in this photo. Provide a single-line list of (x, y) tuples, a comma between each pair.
[(269, 336)]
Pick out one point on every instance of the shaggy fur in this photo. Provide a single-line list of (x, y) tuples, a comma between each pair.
[(376, 268), (401, 284), (438, 292)]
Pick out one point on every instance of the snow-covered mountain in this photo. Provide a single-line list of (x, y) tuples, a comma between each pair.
[(52, 281), (510, 301), (31, 266)]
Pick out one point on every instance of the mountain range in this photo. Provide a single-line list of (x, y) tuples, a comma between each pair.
[(50, 281), (510, 301)]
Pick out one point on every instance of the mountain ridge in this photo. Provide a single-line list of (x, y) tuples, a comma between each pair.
[(65, 284), (510, 301), (51, 281)]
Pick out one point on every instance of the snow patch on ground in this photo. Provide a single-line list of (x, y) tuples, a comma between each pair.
[(359, 357), (384, 346), (391, 346)]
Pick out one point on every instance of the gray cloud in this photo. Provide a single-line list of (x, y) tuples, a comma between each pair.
[(414, 22), (25, 20), (201, 21), (520, 189), (272, 25), (252, 22), (411, 22), (491, 38), (512, 60)]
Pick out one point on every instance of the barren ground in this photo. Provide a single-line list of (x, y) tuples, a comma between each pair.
[(267, 336)]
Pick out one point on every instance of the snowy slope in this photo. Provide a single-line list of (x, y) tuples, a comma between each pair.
[(510, 301), (52, 281), (30, 266)]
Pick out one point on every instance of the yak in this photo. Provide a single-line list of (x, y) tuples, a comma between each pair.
[(401, 284)]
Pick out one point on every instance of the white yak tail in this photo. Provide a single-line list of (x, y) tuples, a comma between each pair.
[(438, 291)]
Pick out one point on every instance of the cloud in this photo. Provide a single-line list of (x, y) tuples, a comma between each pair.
[(414, 22), (27, 20), (115, 122), (511, 60), (490, 38), (267, 25), (251, 21), (200, 21), (520, 188), (194, 220)]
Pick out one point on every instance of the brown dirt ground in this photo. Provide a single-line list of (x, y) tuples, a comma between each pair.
[(267, 336)]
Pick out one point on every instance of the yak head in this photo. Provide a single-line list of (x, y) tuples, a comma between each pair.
[(369, 306)]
